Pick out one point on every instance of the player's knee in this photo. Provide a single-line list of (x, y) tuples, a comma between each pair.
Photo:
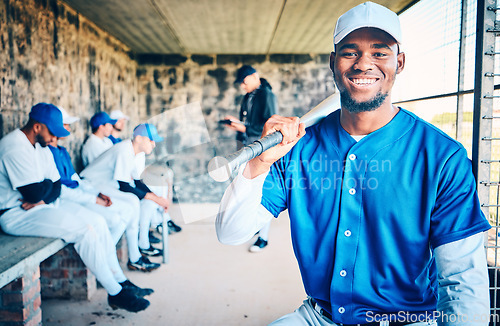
[(97, 222)]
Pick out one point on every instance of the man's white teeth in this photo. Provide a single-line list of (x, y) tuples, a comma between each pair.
[(363, 81)]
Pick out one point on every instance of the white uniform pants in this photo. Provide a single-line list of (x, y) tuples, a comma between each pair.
[(151, 213), (74, 224), (306, 315), (264, 232), (117, 217), (127, 203)]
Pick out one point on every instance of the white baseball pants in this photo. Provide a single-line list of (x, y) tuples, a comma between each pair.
[(74, 224)]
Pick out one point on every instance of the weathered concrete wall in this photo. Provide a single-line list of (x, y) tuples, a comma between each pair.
[(165, 82), (49, 53)]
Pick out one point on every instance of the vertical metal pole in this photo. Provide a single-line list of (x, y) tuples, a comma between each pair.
[(164, 227), (164, 239), (483, 103), (483, 107)]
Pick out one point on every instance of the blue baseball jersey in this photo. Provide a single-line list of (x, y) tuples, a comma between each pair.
[(114, 140), (365, 215), (64, 165)]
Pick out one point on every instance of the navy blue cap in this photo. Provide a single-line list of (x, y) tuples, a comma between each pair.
[(243, 72), (147, 130), (49, 115), (99, 119)]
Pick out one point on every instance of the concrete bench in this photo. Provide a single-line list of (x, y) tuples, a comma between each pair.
[(31, 267), (19, 254)]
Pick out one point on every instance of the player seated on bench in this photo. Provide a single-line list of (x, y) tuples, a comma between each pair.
[(30, 205), (118, 212), (115, 172)]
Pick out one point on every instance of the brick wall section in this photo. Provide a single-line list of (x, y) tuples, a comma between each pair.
[(20, 301), (64, 276)]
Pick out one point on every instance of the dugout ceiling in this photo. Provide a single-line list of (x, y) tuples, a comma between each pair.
[(221, 26)]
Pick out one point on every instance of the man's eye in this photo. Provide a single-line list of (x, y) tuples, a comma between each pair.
[(349, 54), (379, 54)]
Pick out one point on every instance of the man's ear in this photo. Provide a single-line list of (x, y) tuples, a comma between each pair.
[(37, 127), (401, 62), (332, 60)]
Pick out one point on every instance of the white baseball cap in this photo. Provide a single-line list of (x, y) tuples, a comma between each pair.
[(117, 115), (368, 14), (67, 119)]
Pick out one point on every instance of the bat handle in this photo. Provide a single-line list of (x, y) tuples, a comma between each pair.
[(254, 149), (221, 168)]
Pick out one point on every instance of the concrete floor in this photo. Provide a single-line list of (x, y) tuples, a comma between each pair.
[(205, 283)]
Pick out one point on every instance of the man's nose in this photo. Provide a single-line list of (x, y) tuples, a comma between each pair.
[(364, 62)]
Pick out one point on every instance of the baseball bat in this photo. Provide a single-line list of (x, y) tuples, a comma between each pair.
[(220, 168)]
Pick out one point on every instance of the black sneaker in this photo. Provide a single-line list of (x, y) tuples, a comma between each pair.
[(258, 245), (143, 264), (126, 299), (152, 238), (151, 251), (140, 292), (172, 227)]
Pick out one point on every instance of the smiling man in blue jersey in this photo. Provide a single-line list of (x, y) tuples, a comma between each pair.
[(389, 230)]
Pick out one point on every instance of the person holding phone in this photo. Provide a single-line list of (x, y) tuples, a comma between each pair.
[(258, 105)]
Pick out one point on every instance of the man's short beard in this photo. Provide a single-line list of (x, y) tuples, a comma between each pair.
[(353, 106), (39, 139)]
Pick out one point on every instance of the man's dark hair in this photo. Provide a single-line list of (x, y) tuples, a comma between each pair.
[(29, 125)]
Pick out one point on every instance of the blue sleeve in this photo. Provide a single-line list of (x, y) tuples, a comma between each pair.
[(274, 190), (457, 213)]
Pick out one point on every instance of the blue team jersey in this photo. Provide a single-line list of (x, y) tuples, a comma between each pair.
[(114, 140), (365, 215), (64, 165)]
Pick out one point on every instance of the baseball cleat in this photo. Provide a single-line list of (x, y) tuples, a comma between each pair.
[(152, 238), (126, 299), (258, 245), (138, 291), (173, 228), (151, 251), (143, 264)]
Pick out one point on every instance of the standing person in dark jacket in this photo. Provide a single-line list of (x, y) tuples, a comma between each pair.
[(258, 105)]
